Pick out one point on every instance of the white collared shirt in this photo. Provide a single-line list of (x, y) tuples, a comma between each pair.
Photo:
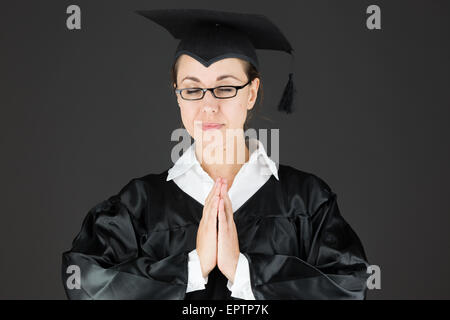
[(190, 177)]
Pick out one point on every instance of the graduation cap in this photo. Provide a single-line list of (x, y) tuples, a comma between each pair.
[(209, 36)]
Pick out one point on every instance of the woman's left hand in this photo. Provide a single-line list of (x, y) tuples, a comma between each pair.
[(227, 240)]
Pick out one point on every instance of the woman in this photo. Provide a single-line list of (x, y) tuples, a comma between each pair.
[(225, 229)]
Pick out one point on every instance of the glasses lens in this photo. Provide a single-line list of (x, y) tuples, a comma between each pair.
[(192, 94), (225, 92)]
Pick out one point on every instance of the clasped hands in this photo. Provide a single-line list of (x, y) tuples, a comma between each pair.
[(217, 239)]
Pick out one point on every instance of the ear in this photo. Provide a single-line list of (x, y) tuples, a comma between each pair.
[(253, 93), (176, 94)]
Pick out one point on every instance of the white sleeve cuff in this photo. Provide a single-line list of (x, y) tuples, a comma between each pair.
[(241, 288), (196, 281)]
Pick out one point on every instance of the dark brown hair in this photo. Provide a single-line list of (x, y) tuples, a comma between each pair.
[(251, 72)]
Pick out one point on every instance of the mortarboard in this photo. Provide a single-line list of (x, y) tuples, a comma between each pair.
[(209, 36)]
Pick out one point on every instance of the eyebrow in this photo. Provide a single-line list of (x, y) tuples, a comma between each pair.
[(218, 78)]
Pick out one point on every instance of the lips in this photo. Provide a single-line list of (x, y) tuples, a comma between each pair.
[(209, 126)]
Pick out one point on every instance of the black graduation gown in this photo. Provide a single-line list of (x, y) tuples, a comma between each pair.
[(135, 244)]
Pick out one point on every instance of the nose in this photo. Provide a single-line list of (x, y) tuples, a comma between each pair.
[(210, 103)]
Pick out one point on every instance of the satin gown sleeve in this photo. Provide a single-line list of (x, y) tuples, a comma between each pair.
[(331, 263), (107, 253)]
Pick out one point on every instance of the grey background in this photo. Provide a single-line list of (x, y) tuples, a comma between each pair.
[(83, 112)]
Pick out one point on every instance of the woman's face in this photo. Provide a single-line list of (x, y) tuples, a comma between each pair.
[(230, 113)]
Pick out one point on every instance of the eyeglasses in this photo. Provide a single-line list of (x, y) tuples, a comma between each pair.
[(221, 92)]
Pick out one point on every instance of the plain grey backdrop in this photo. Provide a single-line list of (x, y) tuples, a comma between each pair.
[(85, 111)]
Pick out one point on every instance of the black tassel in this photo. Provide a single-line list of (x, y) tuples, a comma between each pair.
[(288, 96)]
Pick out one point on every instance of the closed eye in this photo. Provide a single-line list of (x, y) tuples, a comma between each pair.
[(193, 90), (225, 89)]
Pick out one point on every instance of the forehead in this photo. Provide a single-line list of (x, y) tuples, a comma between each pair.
[(190, 66)]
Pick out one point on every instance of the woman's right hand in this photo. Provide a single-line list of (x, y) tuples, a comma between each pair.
[(207, 230)]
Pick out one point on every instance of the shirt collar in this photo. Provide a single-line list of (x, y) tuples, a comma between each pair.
[(258, 156)]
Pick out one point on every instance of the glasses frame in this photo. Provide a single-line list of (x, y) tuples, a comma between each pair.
[(212, 91)]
